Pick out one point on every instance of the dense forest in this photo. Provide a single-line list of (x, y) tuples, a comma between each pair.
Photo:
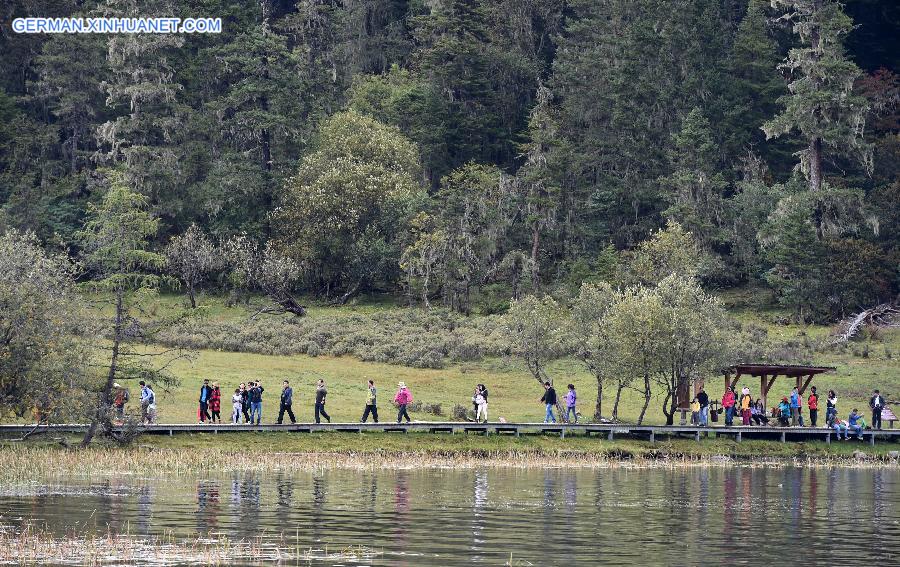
[(465, 152)]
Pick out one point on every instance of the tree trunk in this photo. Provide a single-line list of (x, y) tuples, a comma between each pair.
[(535, 245), (615, 411), (101, 415), (647, 395), (598, 407), (192, 296), (669, 408)]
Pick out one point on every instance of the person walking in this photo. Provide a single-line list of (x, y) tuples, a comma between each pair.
[(703, 399), (255, 396), (287, 397), (813, 403), (321, 392), (403, 399), (830, 408), (746, 403), (148, 403), (571, 399), (728, 402), (795, 407), (876, 402), (120, 398), (371, 400), (549, 400), (205, 393), (237, 404), (215, 403), (245, 401)]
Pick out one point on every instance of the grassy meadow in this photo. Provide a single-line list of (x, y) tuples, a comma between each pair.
[(861, 366)]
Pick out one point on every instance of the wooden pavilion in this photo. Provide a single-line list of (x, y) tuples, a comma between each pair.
[(767, 374)]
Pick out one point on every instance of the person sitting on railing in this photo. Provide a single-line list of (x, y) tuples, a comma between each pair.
[(784, 412), (853, 424), (840, 425), (758, 413)]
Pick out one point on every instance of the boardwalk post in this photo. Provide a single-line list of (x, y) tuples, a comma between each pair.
[(828, 438), (562, 432), (872, 439), (697, 436), (609, 436), (738, 438), (652, 436), (783, 437)]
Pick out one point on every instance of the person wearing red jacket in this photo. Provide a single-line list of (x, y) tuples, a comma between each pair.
[(728, 401), (215, 404), (813, 403)]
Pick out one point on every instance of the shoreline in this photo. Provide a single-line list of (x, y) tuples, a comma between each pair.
[(263, 453)]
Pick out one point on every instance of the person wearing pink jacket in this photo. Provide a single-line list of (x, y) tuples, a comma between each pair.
[(403, 399)]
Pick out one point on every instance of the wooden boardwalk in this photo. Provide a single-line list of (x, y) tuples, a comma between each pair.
[(605, 431)]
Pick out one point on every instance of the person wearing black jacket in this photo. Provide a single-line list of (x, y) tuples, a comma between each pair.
[(321, 392), (245, 402), (877, 404), (549, 399), (287, 395), (703, 399), (255, 396), (205, 395)]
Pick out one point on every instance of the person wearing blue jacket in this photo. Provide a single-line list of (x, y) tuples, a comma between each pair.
[(853, 424), (795, 407)]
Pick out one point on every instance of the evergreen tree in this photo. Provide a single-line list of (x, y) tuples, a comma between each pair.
[(537, 181), (695, 187), (454, 58), (753, 89), (116, 249), (142, 93), (822, 106), (796, 256), (259, 118)]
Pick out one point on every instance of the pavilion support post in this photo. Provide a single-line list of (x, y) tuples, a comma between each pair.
[(769, 387), (763, 390), (805, 384), (735, 381)]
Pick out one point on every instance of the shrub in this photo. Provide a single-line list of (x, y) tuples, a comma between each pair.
[(407, 337)]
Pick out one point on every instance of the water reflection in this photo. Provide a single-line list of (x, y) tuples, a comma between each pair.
[(447, 517)]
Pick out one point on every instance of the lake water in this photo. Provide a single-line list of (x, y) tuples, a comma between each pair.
[(714, 515)]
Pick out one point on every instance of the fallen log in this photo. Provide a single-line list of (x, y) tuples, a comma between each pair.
[(884, 315)]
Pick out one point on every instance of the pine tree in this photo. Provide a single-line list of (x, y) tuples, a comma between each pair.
[(454, 59), (142, 91), (116, 248), (753, 88), (695, 187), (821, 106)]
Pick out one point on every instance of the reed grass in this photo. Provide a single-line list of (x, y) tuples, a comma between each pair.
[(272, 452), (30, 545)]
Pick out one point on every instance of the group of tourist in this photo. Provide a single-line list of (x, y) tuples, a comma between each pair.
[(788, 412), (247, 401)]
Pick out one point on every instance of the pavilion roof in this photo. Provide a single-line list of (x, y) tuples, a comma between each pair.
[(793, 370)]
